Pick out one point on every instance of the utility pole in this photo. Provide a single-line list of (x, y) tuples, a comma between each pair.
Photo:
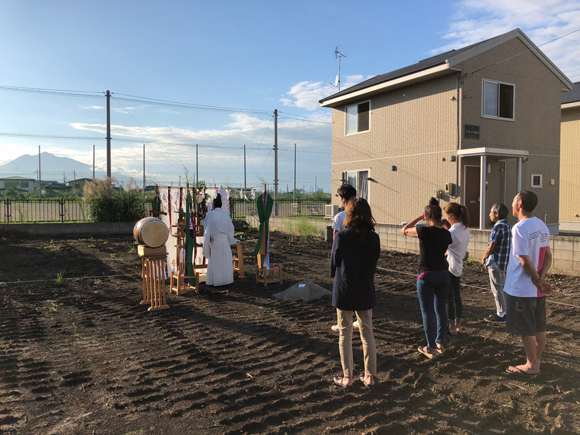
[(245, 186), (93, 162), (39, 176), (108, 134), (196, 166), (294, 173), (315, 184), (143, 172), (63, 177), (74, 175), (276, 162)]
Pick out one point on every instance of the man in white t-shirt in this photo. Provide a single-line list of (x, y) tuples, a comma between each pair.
[(525, 285), (345, 193)]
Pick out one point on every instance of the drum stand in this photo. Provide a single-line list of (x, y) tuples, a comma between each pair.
[(154, 266)]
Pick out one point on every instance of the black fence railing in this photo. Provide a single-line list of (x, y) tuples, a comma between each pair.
[(76, 210), (286, 208), (46, 210)]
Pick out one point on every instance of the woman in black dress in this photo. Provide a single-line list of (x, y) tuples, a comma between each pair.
[(355, 252)]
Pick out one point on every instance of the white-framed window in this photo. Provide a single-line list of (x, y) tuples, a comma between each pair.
[(498, 100), (358, 117), (24, 184), (358, 180), (537, 181)]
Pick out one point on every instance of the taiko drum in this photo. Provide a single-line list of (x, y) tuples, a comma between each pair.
[(151, 232)]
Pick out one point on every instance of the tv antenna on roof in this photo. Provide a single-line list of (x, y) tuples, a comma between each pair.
[(339, 56)]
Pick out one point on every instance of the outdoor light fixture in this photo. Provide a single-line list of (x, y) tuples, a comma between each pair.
[(393, 168), (452, 158)]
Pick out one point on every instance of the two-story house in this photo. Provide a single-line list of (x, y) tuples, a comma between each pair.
[(570, 161), (17, 183), (473, 125)]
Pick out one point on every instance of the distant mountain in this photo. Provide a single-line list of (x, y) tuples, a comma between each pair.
[(52, 168)]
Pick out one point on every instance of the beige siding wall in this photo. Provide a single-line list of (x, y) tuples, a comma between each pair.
[(536, 127), (412, 128), (570, 166)]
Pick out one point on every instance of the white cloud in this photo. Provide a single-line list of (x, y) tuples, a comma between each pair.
[(92, 107), (306, 95), (169, 149), (542, 21)]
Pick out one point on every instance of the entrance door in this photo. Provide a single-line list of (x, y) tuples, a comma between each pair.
[(471, 188)]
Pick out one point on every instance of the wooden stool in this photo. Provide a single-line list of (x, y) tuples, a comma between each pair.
[(238, 259), (153, 272), (267, 276)]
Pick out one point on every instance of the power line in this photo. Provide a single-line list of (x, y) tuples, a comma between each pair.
[(519, 54), (187, 105), (302, 118), (53, 91)]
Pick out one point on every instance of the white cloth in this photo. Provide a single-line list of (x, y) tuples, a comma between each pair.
[(530, 237), (338, 223), (217, 238), (456, 251)]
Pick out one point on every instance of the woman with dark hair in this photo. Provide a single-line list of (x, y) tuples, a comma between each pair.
[(433, 277), (218, 235), (353, 261), (458, 220)]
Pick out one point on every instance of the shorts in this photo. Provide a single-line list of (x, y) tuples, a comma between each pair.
[(525, 316)]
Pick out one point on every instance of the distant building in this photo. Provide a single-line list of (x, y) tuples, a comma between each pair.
[(17, 183), (78, 184)]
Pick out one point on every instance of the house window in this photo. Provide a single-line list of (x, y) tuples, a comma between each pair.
[(537, 180), (359, 180), (498, 100), (358, 117), (24, 184)]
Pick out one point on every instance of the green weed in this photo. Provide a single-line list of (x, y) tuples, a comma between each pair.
[(59, 277), (132, 250)]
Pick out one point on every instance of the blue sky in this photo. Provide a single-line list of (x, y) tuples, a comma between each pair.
[(253, 55)]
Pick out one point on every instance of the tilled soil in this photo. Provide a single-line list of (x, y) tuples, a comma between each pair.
[(81, 356)]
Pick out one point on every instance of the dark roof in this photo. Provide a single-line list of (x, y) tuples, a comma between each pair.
[(573, 96), (424, 64)]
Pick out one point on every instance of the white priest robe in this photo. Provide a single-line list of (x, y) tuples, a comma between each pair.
[(218, 235)]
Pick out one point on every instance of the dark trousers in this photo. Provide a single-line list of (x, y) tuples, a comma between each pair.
[(454, 304), (432, 289)]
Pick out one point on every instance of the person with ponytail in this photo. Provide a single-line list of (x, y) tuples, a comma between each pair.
[(433, 276), (458, 218), (353, 261)]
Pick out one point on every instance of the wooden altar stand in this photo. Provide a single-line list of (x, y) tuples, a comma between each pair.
[(154, 267), (177, 283)]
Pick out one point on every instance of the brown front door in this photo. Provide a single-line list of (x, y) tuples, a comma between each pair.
[(471, 188)]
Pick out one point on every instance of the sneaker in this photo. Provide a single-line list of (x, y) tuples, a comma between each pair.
[(335, 327), (494, 318)]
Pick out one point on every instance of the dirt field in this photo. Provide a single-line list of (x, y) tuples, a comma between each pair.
[(83, 357)]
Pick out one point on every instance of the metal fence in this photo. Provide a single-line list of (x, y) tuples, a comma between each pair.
[(76, 210), (285, 208), (46, 210), (43, 210)]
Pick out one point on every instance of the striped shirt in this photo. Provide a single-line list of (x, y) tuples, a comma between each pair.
[(501, 235)]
